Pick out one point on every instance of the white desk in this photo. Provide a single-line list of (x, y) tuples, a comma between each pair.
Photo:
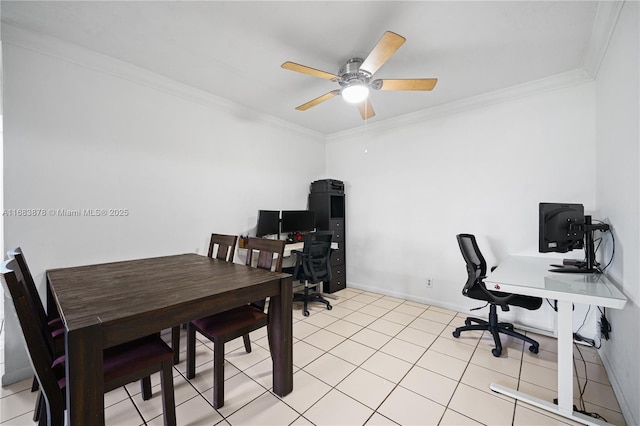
[(530, 276), (288, 248), (288, 261)]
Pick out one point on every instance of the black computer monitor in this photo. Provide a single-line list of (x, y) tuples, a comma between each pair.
[(564, 227), (561, 227), (298, 221), (268, 223)]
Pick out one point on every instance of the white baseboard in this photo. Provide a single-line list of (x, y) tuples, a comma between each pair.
[(444, 305), (627, 413), (16, 376)]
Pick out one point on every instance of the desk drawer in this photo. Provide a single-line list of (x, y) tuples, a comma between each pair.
[(337, 257), (338, 281)]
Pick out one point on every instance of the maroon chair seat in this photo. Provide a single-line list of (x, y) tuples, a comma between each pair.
[(228, 325), (126, 360)]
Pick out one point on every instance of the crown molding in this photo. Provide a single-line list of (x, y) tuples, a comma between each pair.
[(558, 81), (77, 55), (603, 26)]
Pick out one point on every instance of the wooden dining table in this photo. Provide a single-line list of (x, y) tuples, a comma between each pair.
[(107, 304)]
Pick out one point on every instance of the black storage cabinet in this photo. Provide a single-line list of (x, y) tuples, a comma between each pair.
[(326, 199)]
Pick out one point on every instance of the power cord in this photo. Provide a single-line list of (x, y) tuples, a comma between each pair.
[(577, 337), (613, 248)]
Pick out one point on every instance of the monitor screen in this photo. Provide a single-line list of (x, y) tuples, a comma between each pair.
[(268, 223), (298, 221), (562, 227)]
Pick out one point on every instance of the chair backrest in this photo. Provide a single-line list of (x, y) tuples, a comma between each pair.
[(32, 292), (266, 249), (226, 246), (313, 264), (476, 265), (39, 352)]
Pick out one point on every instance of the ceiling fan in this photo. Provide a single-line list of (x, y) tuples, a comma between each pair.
[(354, 77)]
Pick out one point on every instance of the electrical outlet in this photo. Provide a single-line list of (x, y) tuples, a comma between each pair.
[(429, 283)]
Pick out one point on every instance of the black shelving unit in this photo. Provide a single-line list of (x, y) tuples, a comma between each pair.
[(327, 200)]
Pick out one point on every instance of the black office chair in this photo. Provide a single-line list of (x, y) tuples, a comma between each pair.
[(313, 267), (475, 289)]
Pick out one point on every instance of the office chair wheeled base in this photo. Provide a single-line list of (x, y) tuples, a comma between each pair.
[(306, 298), (495, 328)]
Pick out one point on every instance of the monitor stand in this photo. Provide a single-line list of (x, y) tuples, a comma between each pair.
[(567, 269), (588, 266)]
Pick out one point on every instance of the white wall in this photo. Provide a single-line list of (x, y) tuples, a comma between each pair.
[(80, 138), (618, 197), (481, 170)]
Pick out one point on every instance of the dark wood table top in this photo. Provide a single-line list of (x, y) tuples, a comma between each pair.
[(174, 288), (107, 304)]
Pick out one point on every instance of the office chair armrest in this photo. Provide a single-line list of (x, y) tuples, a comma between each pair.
[(299, 256), (503, 301)]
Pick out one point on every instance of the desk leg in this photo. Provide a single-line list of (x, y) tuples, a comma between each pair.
[(565, 374), (281, 336), (85, 380), (565, 357)]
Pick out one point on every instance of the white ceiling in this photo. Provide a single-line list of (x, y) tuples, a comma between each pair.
[(234, 49)]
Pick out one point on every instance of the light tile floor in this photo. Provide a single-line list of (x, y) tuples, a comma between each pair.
[(373, 360)]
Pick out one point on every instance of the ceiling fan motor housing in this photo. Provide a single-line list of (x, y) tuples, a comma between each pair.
[(350, 73)]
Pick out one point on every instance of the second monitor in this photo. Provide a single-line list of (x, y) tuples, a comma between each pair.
[(297, 221)]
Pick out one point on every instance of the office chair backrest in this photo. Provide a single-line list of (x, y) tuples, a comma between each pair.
[(316, 256), (476, 265), (226, 246), (38, 349)]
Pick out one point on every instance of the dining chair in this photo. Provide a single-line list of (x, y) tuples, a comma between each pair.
[(123, 364), (55, 326), (221, 247), (228, 325), (55, 335)]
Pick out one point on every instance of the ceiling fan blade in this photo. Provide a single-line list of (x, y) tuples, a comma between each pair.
[(387, 46), (366, 110), (318, 100), (308, 70), (423, 84)]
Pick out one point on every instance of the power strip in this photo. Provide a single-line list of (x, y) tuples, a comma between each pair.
[(579, 338), (605, 327)]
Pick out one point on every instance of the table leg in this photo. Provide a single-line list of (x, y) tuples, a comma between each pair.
[(281, 336), (51, 303), (85, 380)]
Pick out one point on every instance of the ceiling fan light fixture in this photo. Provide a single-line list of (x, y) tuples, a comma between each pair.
[(355, 93)]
